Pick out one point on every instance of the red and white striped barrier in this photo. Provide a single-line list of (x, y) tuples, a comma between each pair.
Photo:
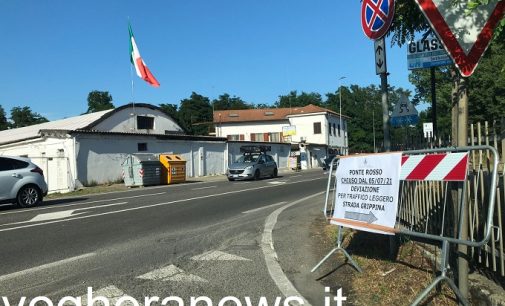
[(434, 167), (141, 172)]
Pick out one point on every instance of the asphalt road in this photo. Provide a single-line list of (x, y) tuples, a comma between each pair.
[(199, 239)]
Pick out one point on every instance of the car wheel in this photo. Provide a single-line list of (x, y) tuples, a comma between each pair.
[(29, 196), (230, 179), (257, 174), (274, 174)]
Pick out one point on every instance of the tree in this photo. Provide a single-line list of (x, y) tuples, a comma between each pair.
[(195, 114), (225, 102), (23, 116), (295, 100), (4, 124), (99, 101), (171, 110)]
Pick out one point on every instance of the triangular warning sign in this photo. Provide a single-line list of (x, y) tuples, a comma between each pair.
[(404, 113), (465, 36)]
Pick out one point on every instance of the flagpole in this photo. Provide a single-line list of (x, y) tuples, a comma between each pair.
[(132, 86)]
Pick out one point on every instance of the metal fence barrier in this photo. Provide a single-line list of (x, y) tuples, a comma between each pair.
[(438, 210)]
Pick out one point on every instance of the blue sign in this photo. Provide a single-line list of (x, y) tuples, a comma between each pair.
[(426, 53), (376, 17), (404, 120)]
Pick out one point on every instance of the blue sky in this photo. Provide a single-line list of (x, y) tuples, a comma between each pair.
[(55, 52)]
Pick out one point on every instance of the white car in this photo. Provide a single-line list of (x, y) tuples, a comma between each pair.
[(21, 181)]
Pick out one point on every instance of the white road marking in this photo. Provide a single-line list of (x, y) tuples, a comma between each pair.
[(82, 203), (149, 206), (111, 293), (171, 273), (53, 216), (277, 182), (267, 246), (264, 207), (204, 188), (60, 214), (45, 266), (218, 255)]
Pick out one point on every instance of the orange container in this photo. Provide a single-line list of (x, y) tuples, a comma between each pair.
[(173, 169)]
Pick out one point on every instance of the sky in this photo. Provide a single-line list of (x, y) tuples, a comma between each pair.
[(54, 52)]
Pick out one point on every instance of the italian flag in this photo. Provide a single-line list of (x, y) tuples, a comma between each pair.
[(140, 66)]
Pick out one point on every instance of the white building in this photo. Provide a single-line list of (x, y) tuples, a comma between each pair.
[(90, 148), (318, 131)]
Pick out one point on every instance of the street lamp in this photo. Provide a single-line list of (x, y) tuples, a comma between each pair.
[(340, 105)]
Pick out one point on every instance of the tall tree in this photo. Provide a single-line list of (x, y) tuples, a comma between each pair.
[(293, 99), (99, 101), (172, 111), (4, 124), (225, 102), (23, 116), (195, 114)]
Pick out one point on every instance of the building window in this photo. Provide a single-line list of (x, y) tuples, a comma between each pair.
[(334, 129), (274, 137), (317, 127), (329, 129), (258, 137), (145, 123), (233, 137), (142, 146), (339, 130)]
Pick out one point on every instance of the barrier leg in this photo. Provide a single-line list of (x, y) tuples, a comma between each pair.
[(441, 278), (336, 249)]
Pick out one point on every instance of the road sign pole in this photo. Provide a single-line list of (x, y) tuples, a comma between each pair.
[(385, 112), (434, 104)]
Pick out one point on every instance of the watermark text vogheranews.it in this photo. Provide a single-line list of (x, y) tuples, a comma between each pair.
[(90, 300)]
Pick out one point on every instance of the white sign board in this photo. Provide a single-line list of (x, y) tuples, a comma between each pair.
[(289, 130), (367, 192), (428, 129), (426, 53), (380, 56)]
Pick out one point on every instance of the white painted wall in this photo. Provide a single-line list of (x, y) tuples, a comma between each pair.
[(55, 156), (246, 128), (123, 121), (100, 156), (304, 129)]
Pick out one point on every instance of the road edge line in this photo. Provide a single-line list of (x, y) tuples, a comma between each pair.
[(267, 245)]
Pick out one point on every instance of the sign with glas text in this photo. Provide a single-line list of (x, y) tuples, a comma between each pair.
[(427, 53), (367, 192)]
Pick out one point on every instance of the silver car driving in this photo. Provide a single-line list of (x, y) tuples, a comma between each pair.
[(253, 164)]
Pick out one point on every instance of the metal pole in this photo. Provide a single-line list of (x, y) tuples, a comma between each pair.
[(385, 112), (340, 129), (373, 128), (434, 103)]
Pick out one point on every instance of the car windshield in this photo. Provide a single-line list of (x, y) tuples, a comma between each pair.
[(248, 159)]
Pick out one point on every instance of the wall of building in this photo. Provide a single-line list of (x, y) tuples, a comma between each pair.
[(336, 140), (122, 121), (54, 155), (305, 128), (246, 128), (100, 156)]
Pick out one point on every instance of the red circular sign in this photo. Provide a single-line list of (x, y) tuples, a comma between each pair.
[(376, 17)]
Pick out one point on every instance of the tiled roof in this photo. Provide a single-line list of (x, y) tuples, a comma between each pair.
[(267, 114)]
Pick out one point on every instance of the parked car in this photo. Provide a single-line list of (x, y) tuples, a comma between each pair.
[(21, 182), (253, 164)]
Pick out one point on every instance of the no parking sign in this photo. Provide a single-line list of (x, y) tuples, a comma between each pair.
[(376, 17)]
